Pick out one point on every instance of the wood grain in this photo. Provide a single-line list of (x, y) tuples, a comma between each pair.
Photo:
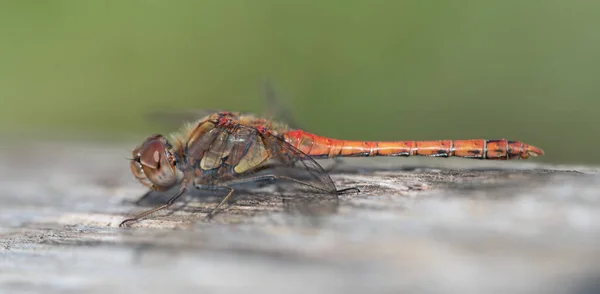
[(418, 225)]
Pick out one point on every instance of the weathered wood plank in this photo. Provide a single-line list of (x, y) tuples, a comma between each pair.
[(419, 225)]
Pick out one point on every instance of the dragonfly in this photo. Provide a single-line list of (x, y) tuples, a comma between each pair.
[(224, 149)]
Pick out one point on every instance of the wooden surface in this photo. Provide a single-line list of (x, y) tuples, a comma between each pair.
[(418, 225)]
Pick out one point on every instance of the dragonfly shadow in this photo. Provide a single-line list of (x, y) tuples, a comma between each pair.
[(248, 199), (340, 166), (367, 166)]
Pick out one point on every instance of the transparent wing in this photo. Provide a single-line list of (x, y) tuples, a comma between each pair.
[(277, 110), (234, 153), (239, 156), (274, 107), (322, 197), (176, 118), (293, 163), (273, 110)]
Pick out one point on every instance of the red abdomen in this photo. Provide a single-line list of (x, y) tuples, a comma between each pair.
[(319, 147)]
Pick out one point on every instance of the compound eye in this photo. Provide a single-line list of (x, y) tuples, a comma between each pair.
[(155, 163), (151, 153)]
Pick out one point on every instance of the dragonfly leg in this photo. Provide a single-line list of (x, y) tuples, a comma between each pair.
[(270, 178), (153, 210), (225, 199), (348, 190)]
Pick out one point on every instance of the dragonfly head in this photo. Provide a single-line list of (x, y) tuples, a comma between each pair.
[(154, 165)]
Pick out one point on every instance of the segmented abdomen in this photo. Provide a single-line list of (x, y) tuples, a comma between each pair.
[(318, 146)]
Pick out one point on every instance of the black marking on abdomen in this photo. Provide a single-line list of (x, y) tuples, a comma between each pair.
[(442, 152), (494, 141)]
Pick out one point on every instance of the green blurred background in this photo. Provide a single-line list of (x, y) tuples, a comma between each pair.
[(371, 70)]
